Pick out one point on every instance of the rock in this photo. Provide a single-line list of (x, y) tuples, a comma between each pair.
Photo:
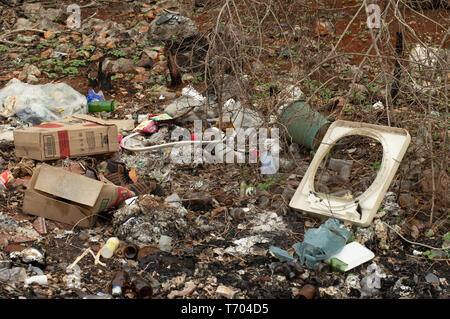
[(121, 65), (48, 24), (22, 23), (145, 62), (172, 26), (152, 54), (432, 278), (32, 9), (52, 14)]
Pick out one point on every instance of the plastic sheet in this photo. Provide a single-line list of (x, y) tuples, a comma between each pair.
[(35, 104), (321, 243)]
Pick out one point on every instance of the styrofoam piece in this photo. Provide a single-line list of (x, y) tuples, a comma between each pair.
[(362, 209), (353, 254)]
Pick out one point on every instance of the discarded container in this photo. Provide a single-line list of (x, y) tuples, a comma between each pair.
[(131, 251), (101, 106), (119, 283), (362, 209), (35, 104), (108, 249), (76, 136), (302, 124), (142, 288), (307, 292), (146, 127), (6, 179), (70, 198)]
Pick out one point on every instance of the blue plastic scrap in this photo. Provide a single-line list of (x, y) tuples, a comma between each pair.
[(93, 97), (318, 244)]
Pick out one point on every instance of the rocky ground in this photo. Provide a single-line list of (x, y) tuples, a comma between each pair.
[(227, 215)]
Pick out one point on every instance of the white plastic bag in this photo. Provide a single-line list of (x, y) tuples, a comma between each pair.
[(35, 104)]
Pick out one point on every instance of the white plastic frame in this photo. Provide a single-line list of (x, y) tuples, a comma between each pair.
[(395, 142)]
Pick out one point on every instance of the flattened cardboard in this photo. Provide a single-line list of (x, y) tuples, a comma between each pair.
[(76, 136), (50, 195), (58, 183)]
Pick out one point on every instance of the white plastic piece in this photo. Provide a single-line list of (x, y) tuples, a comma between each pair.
[(108, 249), (353, 254), (362, 209), (41, 280)]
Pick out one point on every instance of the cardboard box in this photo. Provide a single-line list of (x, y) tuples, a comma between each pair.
[(70, 198), (76, 136)]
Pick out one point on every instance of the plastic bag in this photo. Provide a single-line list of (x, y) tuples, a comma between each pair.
[(321, 243), (371, 283), (35, 104)]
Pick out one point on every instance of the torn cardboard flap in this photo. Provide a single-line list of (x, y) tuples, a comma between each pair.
[(58, 183), (70, 198), (75, 136)]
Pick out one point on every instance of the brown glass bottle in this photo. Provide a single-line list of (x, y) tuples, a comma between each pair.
[(130, 251), (142, 288), (119, 283)]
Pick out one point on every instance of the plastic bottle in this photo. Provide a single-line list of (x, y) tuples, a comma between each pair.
[(108, 249), (119, 283), (142, 288), (101, 106)]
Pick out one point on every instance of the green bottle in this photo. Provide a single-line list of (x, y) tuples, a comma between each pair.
[(101, 106)]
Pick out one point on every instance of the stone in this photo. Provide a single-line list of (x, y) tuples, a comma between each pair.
[(145, 62), (152, 54), (172, 26), (29, 73), (22, 23), (121, 65), (31, 9)]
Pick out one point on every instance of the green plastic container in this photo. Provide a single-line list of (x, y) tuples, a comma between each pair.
[(101, 106), (300, 123)]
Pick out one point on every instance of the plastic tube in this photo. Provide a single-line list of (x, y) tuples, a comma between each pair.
[(158, 147)]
